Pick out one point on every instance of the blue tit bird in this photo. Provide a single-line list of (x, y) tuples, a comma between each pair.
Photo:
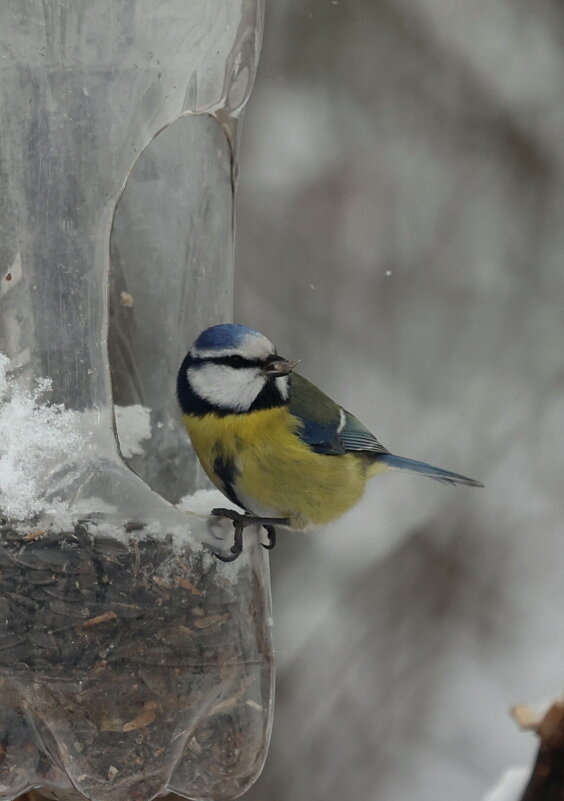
[(274, 443)]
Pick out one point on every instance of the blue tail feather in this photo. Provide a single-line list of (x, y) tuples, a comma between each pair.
[(437, 473)]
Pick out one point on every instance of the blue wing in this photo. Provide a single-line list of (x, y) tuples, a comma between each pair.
[(325, 426)]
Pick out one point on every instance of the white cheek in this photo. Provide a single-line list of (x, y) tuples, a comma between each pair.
[(282, 386), (223, 386)]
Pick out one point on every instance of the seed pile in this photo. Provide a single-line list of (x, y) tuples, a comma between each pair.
[(129, 658)]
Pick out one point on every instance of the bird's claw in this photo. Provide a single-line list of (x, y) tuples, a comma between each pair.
[(232, 514), (240, 522), (271, 532)]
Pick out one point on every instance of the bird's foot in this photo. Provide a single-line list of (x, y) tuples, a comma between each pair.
[(240, 522)]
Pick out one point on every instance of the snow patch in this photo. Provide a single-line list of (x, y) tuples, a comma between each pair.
[(133, 424), (203, 501), (36, 438)]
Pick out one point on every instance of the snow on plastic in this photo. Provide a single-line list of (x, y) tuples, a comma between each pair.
[(36, 437), (203, 501), (133, 425)]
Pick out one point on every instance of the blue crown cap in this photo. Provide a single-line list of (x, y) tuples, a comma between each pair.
[(226, 335)]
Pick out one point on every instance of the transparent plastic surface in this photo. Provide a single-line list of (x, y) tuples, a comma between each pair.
[(175, 210), (131, 661)]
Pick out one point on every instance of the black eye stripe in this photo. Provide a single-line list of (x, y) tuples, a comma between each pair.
[(236, 361)]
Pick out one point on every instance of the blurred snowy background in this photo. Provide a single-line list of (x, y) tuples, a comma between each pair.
[(399, 229)]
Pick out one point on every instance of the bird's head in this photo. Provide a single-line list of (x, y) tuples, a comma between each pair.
[(232, 369)]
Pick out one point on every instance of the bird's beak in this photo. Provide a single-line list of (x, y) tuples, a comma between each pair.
[(279, 367)]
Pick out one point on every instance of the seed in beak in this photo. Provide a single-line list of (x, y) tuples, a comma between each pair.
[(279, 367)]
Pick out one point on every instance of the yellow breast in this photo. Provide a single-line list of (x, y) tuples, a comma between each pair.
[(274, 470)]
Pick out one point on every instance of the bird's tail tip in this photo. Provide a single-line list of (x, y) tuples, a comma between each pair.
[(423, 468)]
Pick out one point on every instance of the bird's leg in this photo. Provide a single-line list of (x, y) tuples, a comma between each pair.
[(240, 522)]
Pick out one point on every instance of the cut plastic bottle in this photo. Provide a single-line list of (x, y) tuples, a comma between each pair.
[(132, 662)]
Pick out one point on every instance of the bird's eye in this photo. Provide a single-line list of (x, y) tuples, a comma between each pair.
[(235, 361)]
